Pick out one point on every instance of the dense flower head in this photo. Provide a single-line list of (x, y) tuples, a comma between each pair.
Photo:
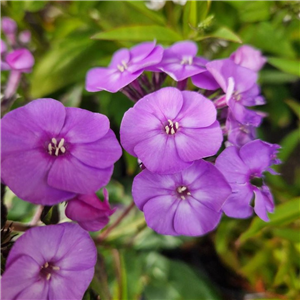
[(184, 203), (50, 262), (240, 167), (248, 57), (180, 61), (50, 152), (169, 129), (91, 213), (126, 66), (238, 84)]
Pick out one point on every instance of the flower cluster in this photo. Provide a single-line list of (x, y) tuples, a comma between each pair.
[(18, 59), (172, 130)]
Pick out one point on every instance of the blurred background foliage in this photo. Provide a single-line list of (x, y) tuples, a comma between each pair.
[(241, 259)]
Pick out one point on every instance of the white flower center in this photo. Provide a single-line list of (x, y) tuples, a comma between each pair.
[(47, 270), (187, 60), (56, 148), (123, 66), (171, 127), (183, 192)]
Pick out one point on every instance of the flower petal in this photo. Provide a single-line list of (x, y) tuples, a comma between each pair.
[(36, 291), (159, 214), (238, 204), (165, 103), (196, 143), (69, 174), (83, 126), (159, 154), (77, 251), (147, 185), (197, 111), (205, 81), (70, 284), (231, 165), (21, 274), (194, 219), (138, 125), (119, 57), (40, 243), (110, 80), (209, 186), (102, 153), (26, 175), (263, 202), (258, 155)]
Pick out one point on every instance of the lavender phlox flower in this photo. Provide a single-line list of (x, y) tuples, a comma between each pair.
[(18, 61), (185, 203), (239, 134), (180, 61), (248, 57), (50, 262), (9, 27), (25, 36), (50, 152), (89, 211), (243, 166), (169, 129), (126, 66), (158, 4), (240, 88)]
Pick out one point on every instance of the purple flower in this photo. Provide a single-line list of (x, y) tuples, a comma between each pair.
[(9, 26), (239, 134), (169, 129), (240, 167), (248, 57), (125, 67), (50, 262), (25, 36), (185, 203), (3, 48), (51, 152), (20, 60), (180, 61), (91, 213), (240, 88)]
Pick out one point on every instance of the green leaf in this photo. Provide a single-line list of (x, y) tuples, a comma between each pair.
[(139, 34), (222, 33), (294, 106), (254, 11), (289, 144), (267, 38), (284, 214), (286, 65), (142, 8), (276, 77), (287, 234), (177, 281), (73, 97)]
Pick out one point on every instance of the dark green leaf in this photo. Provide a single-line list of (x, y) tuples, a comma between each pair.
[(284, 214), (286, 65)]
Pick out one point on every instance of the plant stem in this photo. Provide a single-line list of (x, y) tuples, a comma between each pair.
[(104, 234)]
